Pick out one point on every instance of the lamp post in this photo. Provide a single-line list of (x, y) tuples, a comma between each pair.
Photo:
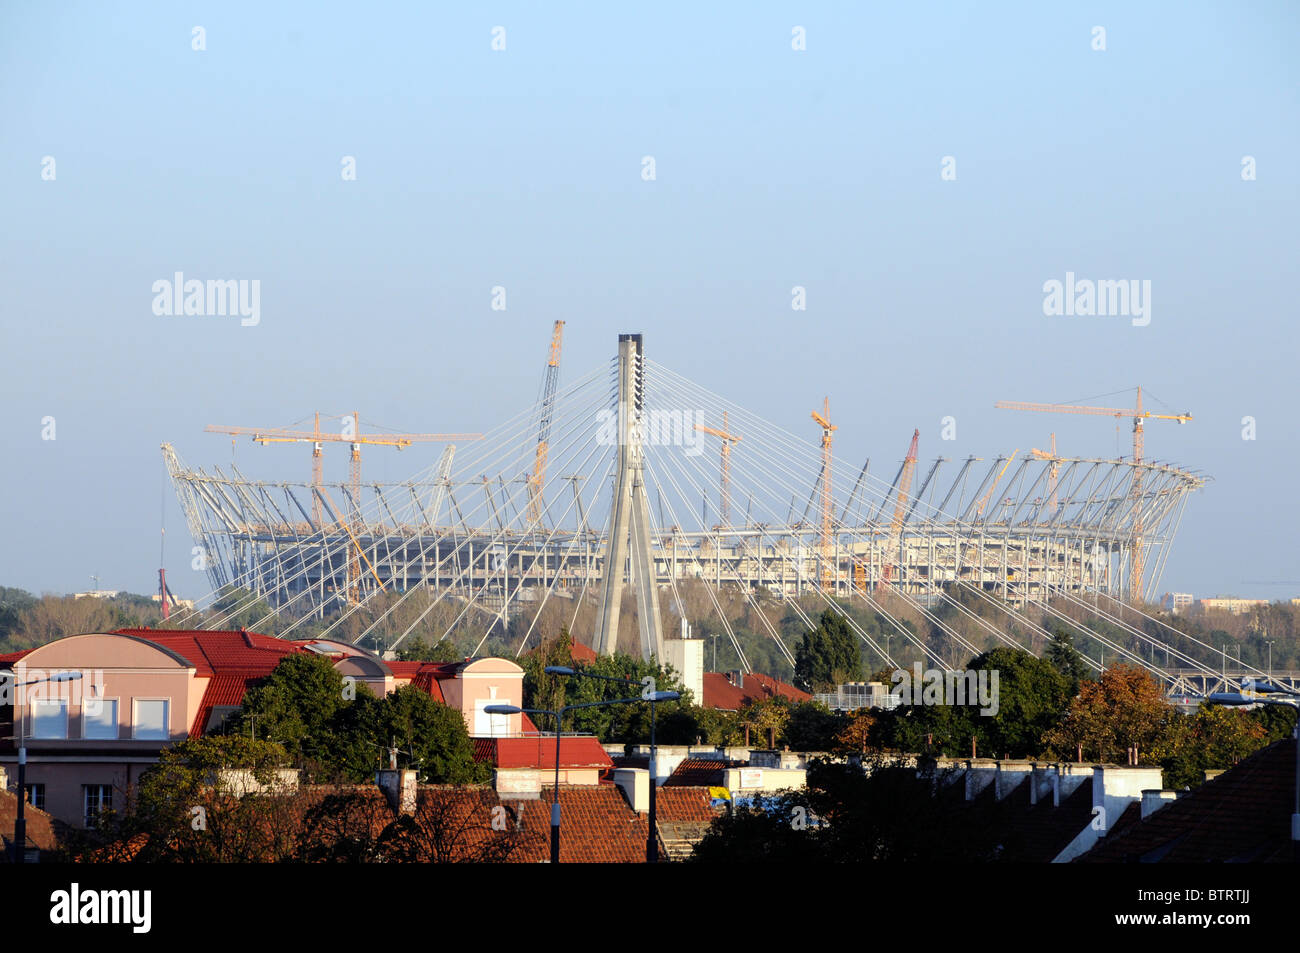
[(651, 845), (1274, 695), (20, 712), (559, 722)]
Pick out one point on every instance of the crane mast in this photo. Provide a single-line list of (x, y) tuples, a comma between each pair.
[(538, 479), (1139, 415)]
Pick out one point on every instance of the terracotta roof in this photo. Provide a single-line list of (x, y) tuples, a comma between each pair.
[(12, 657), (698, 772), (759, 686), (719, 692), (1243, 815), (582, 653), (596, 827), (425, 676), (221, 651), (682, 803), (40, 826), (539, 752)]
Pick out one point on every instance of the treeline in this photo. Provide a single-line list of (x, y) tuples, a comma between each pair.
[(27, 620)]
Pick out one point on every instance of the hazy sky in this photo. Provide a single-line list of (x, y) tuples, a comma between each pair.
[(522, 167)]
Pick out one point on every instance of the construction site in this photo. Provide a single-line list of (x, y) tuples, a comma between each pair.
[(619, 489)]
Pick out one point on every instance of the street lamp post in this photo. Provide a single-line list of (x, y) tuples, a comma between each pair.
[(1275, 695), (20, 815), (559, 722), (651, 844)]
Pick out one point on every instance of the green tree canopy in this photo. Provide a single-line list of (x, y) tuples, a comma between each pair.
[(828, 655)]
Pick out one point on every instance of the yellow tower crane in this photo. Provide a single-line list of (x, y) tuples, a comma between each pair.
[(727, 438), (1052, 469), (1139, 417), (828, 430), (349, 433), (538, 479)]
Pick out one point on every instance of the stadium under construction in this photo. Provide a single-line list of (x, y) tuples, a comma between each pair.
[(680, 484)]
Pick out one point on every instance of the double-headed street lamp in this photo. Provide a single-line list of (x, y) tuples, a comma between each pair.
[(20, 713), (651, 845), (1272, 695), (559, 723)]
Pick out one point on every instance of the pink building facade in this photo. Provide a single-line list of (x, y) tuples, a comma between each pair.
[(89, 738)]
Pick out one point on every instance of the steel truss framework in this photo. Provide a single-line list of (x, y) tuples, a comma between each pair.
[(475, 531)]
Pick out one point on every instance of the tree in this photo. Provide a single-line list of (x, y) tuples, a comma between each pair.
[(1031, 696), (242, 609), (295, 706), (858, 734), (765, 719), (1212, 737), (827, 655), (1125, 707), (1065, 658), (846, 814), (435, 734), (179, 812), (418, 650), (812, 727)]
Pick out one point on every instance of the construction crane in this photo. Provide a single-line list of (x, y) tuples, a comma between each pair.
[(727, 438), (988, 495), (903, 483), (316, 437), (1139, 417), (536, 481), (1052, 470), (828, 430)]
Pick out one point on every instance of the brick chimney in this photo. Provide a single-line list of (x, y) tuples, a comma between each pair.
[(399, 789)]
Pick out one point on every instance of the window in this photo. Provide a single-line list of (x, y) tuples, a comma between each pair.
[(36, 796), (49, 718), (99, 719), (95, 799), (150, 722)]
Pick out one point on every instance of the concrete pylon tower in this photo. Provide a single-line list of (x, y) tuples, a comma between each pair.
[(627, 551)]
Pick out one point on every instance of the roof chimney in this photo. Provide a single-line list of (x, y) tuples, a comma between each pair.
[(1154, 800), (635, 785), (399, 789)]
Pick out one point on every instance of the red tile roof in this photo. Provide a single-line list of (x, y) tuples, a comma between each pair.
[(12, 657), (684, 804), (582, 653), (699, 772), (1243, 815), (720, 693), (40, 826), (426, 676), (539, 752), (760, 686), (221, 651), (232, 661), (596, 827)]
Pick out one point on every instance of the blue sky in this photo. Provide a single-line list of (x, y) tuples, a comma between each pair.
[(522, 168)]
